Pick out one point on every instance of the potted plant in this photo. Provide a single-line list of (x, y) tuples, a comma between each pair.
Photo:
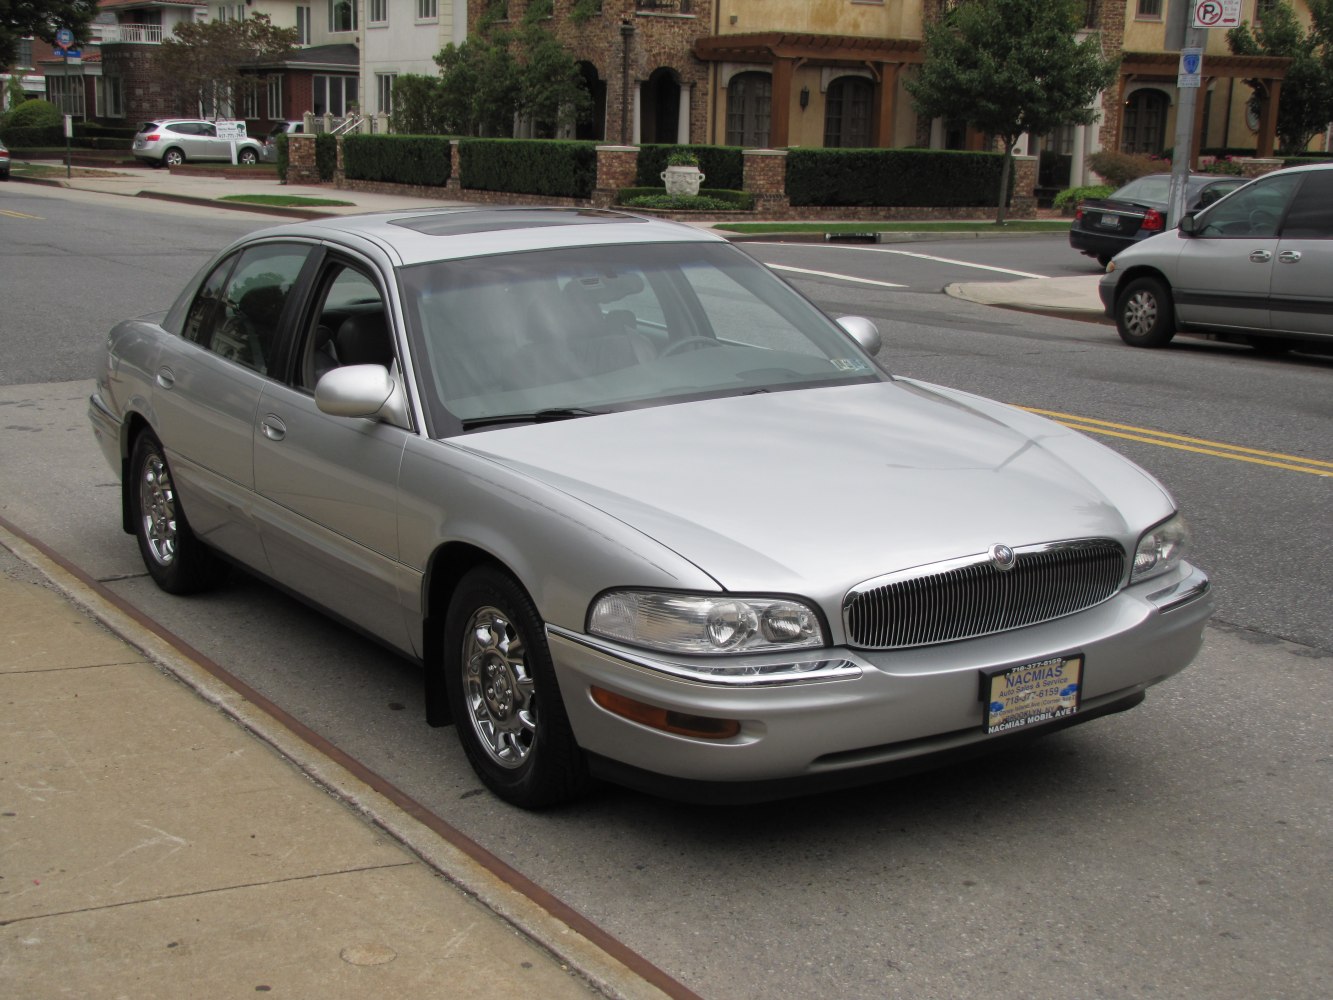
[(682, 174)]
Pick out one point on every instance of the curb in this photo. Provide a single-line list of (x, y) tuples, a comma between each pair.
[(605, 964), (879, 237), (239, 206)]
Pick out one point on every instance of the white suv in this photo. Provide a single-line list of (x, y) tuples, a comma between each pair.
[(173, 141), (1252, 267)]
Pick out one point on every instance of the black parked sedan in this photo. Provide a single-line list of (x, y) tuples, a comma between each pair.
[(1103, 227)]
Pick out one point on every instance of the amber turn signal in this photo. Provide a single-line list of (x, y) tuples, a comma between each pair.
[(680, 723)]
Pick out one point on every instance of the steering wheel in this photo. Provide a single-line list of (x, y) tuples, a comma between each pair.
[(688, 342), (1263, 222)]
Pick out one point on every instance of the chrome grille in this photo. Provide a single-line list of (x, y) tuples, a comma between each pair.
[(970, 597)]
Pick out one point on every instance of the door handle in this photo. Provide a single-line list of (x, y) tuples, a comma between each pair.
[(1289, 257), (166, 378), (1261, 256), (273, 428)]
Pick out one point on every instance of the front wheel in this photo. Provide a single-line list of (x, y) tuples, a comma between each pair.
[(1143, 314), (177, 561), (504, 697)]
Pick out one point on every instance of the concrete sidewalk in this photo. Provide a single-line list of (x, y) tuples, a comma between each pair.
[(162, 837)]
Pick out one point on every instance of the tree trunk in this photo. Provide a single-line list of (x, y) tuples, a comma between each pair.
[(1004, 178)]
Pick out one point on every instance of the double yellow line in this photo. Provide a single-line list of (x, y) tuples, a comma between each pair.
[(18, 215), (1201, 446)]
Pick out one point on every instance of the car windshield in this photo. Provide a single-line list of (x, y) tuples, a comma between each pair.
[(558, 333)]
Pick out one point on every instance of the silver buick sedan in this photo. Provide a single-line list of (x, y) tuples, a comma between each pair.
[(640, 510)]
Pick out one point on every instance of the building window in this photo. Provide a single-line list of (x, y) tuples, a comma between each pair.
[(1145, 123), (378, 11), (24, 54), (1149, 10), (847, 112), (275, 98), (749, 109), (110, 100), (302, 25), (342, 15), (384, 91), (428, 10), (333, 95), (1092, 11), (250, 101)]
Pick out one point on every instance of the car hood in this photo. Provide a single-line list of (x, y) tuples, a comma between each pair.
[(810, 491)]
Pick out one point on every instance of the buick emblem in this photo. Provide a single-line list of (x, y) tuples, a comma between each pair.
[(1002, 557)]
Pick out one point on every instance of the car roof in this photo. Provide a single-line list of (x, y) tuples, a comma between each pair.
[(454, 233)]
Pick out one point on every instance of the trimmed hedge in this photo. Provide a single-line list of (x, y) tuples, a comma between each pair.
[(30, 137), (420, 160), (913, 178), (326, 155), (529, 166), (722, 166), (737, 201)]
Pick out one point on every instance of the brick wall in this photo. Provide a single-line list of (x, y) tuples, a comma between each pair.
[(301, 167), (145, 95)]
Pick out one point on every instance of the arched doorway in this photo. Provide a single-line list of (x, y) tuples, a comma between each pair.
[(749, 109), (660, 106), (1144, 129), (847, 111), (594, 127)]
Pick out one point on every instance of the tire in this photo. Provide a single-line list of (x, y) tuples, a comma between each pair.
[(177, 561), (1144, 314), (173, 157), (504, 697), (248, 157)]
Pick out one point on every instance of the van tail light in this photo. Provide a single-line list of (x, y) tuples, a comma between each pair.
[(1153, 221)]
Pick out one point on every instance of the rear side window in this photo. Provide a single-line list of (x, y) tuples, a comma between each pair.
[(1311, 215)]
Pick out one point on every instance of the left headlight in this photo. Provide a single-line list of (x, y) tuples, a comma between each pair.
[(1160, 550), (704, 624)]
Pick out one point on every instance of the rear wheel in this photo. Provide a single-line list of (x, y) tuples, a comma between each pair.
[(1143, 314), (173, 157), (503, 694), (248, 157), (177, 561)]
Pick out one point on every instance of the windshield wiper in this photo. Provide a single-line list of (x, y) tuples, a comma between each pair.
[(539, 417)]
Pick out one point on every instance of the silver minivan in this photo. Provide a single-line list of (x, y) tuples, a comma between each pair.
[(1253, 267), (173, 141)]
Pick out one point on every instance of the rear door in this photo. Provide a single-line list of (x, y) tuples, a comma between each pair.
[(1226, 266), (1302, 289)]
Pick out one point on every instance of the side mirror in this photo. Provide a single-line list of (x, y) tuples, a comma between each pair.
[(367, 391), (1188, 225), (863, 332)]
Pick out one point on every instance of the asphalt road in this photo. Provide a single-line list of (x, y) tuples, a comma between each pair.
[(1181, 850)]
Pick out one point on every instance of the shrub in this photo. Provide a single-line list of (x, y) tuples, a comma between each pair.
[(38, 137), (422, 160), (681, 202), (326, 155), (1223, 167), (1118, 169), (35, 114), (894, 177), (734, 201), (529, 166), (1067, 201), (281, 144), (722, 166)]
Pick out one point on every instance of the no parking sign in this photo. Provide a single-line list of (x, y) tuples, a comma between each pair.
[(1217, 14)]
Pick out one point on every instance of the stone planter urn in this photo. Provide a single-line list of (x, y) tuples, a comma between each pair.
[(682, 180)]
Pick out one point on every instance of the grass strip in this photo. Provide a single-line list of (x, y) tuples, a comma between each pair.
[(1017, 226), (284, 200)]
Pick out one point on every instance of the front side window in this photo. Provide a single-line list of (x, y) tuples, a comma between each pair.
[(612, 327), (351, 325), (237, 310), (1253, 212)]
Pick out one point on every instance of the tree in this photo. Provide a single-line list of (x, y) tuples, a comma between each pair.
[(1306, 104), (1007, 67), (206, 62), (41, 19)]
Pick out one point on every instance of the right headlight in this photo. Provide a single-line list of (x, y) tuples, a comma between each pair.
[(1160, 550), (705, 624)]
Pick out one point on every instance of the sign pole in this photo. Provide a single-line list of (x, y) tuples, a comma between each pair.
[(1187, 97)]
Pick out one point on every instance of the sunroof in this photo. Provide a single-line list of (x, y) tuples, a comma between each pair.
[(494, 221)]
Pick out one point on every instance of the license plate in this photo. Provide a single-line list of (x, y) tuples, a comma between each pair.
[(1032, 693), (1109, 222)]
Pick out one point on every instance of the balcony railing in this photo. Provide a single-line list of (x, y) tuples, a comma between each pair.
[(131, 34), (665, 6)]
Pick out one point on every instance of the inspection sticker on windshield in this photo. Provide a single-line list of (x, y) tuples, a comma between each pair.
[(1032, 693), (849, 364)]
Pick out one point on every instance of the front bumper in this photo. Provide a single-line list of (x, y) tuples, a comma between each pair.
[(1106, 289), (900, 709)]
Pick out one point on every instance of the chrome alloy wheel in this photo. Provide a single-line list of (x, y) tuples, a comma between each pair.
[(1140, 313), (157, 505), (498, 688)]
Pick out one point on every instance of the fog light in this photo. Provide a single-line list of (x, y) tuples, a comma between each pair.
[(679, 723)]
